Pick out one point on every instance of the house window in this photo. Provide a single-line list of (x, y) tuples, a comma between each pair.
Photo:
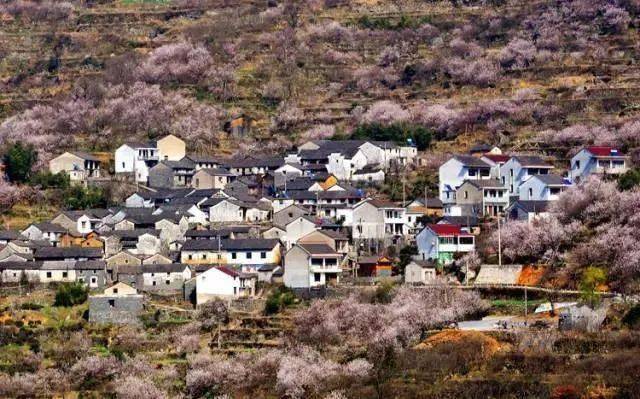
[(168, 282), (123, 165), (115, 290), (249, 254), (466, 240), (94, 280), (48, 274), (190, 257), (65, 274), (530, 192), (197, 182), (577, 164), (234, 255), (235, 290), (263, 255), (153, 283), (204, 256), (316, 277), (112, 303), (472, 172), (466, 194)]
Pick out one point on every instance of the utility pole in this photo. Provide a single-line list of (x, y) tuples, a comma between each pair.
[(404, 191), (425, 199), (499, 243), (526, 310), (219, 251)]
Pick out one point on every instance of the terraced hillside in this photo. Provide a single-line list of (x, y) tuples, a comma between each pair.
[(97, 73)]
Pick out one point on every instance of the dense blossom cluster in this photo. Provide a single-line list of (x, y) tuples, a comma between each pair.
[(35, 11), (306, 365), (139, 111), (592, 224)]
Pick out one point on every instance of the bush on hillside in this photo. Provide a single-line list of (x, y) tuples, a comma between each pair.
[(70, 294)]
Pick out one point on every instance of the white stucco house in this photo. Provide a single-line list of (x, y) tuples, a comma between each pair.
[(136, 159), (543, 188), (225, 283), (599, 160)]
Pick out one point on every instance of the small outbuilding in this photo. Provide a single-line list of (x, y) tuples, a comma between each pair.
[(118, 304), (420, 272)]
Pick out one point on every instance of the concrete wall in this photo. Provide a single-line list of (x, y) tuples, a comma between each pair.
[(125, 309), (296, 268), (161, 176), (171, 148)]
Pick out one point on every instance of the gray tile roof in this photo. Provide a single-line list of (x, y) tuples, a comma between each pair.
[(67, 252), (471, 161), (532, 161), (531, 206), (319, 249), (552, 180)]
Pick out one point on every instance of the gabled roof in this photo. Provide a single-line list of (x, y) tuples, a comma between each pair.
[(383, 204), (250, 244), (336, 235), (163, 268), (445, 230), (319, 249), (228, 271), (90, 265), (604, 151), (67, 252), (133, 234), (531, 206), (485, 183), (497, 158), (49, 227), (255, 162), (205, 159), (300, 183), (217, 172), (532, 161), (20, 265), (11, 235), (480, 147), (463, 221), (240, 244), (184, 163), (138, 144), (431, 202), (552, 180), (84, 155), (471, 161)]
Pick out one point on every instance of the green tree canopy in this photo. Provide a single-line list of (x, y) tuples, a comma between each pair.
[(18, 161)]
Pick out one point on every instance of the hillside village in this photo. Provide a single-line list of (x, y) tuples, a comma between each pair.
[(206, 227)]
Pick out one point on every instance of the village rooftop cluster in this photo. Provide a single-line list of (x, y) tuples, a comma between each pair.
[(207, 227)]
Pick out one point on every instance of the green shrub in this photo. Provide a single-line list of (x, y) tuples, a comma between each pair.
[(399, 133), (31, 306), (629, 179), (70, 294), (78, 197), (50, 180), (279, 299), (18, 161), (632, 318)]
